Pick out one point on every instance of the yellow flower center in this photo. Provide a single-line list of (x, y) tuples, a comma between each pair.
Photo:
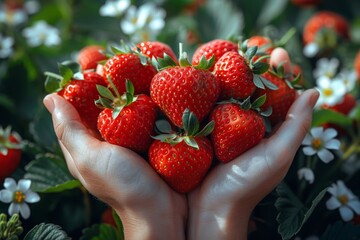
[(328, 92), (19, 197), (316, 143), (344, 199)]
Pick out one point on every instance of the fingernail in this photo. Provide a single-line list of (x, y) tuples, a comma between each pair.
[(49, 103), (314, 97)]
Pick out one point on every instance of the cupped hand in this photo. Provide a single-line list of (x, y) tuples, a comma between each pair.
[(116, 175)]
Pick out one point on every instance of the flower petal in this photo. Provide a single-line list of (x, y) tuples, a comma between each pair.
[(6, 196), (333, 144), (325, 155), (355, 205), (309, 151), (307, 140), (24, 185), (311, 49), (333, 203), (317, 132), (329, 133), (346, 213), (24, 210), (10, 184), (14, 208), (32, 197), (307, 174)]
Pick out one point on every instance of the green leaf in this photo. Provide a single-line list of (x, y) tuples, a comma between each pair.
[(259, 101), (72, 65), (105, 92), (100, 232), (258, 82), (129, 87), (163, 126), (52, 83), (340, 230), (119, 225), (190, 123), (65, 72), (292, 212), (206, 130), (250, 52), (191, 142), (204, 63), (162, 63), (355, 113), (49, 174), (260, 67), (268, 84), (46, 232), (329, 116)]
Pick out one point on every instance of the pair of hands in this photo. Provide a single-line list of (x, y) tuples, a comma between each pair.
[(219, 208)]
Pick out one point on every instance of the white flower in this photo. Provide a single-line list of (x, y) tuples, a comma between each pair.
[(319, 141), (15, 17), (349, 78), (331, 91), (343, 199), (326, 67), (42, 33), (143, 23), (311, 49), (307, 174), (18, 195), (114, 8), (6, 46)]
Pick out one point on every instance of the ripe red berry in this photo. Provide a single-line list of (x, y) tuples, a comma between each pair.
[(90, 56), (10, 152), (156, 49)]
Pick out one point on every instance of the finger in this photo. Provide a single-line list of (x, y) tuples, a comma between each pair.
[(286, 140), (68, 127), (280, 57)]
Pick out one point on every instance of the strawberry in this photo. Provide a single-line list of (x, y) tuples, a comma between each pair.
[(128, 64), (357, 64), (107, 217), (183, 159), (90, 56), (79, 90), (324, 27), (237, 128), (10, 152), (238, 75), (263, 43), (279, 100), (156, 49), (344, 107), (176, 88), (215, 47), (126, 120)]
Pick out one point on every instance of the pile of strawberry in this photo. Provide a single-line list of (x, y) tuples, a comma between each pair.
[(180, 116)]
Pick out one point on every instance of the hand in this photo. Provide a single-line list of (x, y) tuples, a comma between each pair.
[(221, 206), (148, 207)]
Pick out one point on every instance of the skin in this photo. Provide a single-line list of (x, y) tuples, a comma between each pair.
[(218, 209)]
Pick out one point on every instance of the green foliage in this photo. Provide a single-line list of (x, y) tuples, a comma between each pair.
[(46, 232), (340, 230)]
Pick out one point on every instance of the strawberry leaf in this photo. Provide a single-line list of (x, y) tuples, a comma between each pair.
[(165, 137), (46, 231), (206, 130), (52, 82), (105, 92), (250, 52), (66, 73), (267, 112), (162, 63), (258, 82), (190, 123), (163, 126), (259, 101), (117, 111), (268, 84), (259, 67), (204, 63), (191, 142)]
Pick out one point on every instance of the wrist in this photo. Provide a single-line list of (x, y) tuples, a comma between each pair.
[(227, 221), (153, 222)]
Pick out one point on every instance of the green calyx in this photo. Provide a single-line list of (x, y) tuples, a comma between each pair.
[(288, 78), (191, 130), (327, 38), (10, 229), (5, 142), (167, 61), (126, 48), (257, 66), (116, 102), (256, 105), (67, 70)]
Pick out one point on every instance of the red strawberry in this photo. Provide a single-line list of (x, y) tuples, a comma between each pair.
[(263, 43), (10, 152), (183, 160), (344, 107), (279, 100), (80, 92), (129, 66), (215, 47), (317, 28), (236, 130), (127, 120), (107, 217), (357, 64), (90, 56), (176, 88), (238, 75), (156, 49)]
